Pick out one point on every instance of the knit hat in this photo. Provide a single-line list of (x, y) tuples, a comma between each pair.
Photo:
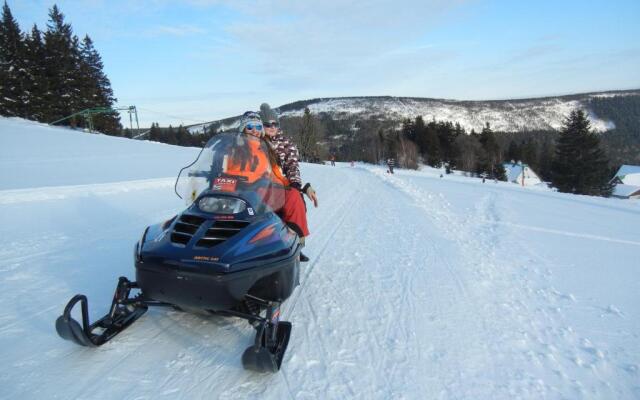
[(267, 113), (247, 117)]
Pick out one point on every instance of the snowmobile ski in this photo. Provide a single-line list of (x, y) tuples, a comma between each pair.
[(270, 344), (123, 312)]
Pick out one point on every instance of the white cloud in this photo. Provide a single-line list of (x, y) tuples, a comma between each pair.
[(333, 43), (178, 30)]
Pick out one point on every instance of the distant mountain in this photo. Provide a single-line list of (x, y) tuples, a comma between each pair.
[(546, 113)]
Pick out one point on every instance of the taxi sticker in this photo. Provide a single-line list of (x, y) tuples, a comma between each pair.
[(224, 184)]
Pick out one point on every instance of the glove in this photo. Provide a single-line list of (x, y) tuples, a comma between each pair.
[(311, 194)]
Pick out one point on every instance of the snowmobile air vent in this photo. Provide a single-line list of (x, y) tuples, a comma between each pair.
[(184, 229), (221, 231)]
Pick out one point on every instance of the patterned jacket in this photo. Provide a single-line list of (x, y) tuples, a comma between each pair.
[(287, 153)]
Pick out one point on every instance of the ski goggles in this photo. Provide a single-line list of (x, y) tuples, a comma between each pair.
[(272, 124), (254, 125)]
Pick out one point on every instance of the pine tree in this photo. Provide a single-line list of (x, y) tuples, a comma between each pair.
[(13, 68), (499, 173), (514, 153), (155, 134), (580, 166), (418, 130), (170, 136), (530, 154), (38, 83), (446, 138), (62, 60), (490, 160), (408, 130), (545, 161), (183, 137), (429, 145), (95, 88)]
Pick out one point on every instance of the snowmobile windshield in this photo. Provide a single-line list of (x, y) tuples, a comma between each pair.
[(233, 165)]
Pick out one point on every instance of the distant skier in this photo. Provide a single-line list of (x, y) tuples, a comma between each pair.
[(391, 163), (332, 158)]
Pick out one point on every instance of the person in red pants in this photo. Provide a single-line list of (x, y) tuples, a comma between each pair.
[(288, 155), (284, 155)]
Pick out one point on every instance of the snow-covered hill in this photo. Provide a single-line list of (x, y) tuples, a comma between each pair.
[(36, 155), (503, 115), (419, 287)]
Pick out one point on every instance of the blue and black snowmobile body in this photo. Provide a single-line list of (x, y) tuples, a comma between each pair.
[(228, 253)]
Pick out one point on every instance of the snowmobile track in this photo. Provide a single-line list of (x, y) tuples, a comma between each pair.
[(318, 256)]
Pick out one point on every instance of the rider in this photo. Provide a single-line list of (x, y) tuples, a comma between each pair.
[(293, 211)]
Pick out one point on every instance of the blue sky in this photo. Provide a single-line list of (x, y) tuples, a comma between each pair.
[(198, 60)]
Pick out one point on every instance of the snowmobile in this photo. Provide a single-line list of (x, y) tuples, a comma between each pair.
[(228, 253)]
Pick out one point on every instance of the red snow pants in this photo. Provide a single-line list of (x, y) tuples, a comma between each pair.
[(294, 212)]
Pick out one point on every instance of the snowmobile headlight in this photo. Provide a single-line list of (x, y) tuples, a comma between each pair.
[(221, 205)]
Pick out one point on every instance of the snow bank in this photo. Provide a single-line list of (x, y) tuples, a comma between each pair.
[(34, 155)]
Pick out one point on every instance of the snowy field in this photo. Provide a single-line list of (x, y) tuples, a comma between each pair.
[(418, 287)]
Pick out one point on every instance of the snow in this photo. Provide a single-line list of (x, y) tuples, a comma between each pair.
[(34, 155), (514, 174), (630, 177), (418, 286), (512, 115), (624, 191), (629, 174), (503, 115)]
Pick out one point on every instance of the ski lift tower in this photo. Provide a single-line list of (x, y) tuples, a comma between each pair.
[(90, 112)]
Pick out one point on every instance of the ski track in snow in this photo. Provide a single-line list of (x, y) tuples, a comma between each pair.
[(542, 340), (408, 294)]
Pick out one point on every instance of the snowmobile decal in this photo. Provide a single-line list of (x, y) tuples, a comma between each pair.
[(225, 184), (206, 258)]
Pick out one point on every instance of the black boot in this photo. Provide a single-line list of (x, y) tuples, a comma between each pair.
[(303, 258)]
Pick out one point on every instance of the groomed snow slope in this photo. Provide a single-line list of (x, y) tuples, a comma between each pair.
[(418, 287)]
